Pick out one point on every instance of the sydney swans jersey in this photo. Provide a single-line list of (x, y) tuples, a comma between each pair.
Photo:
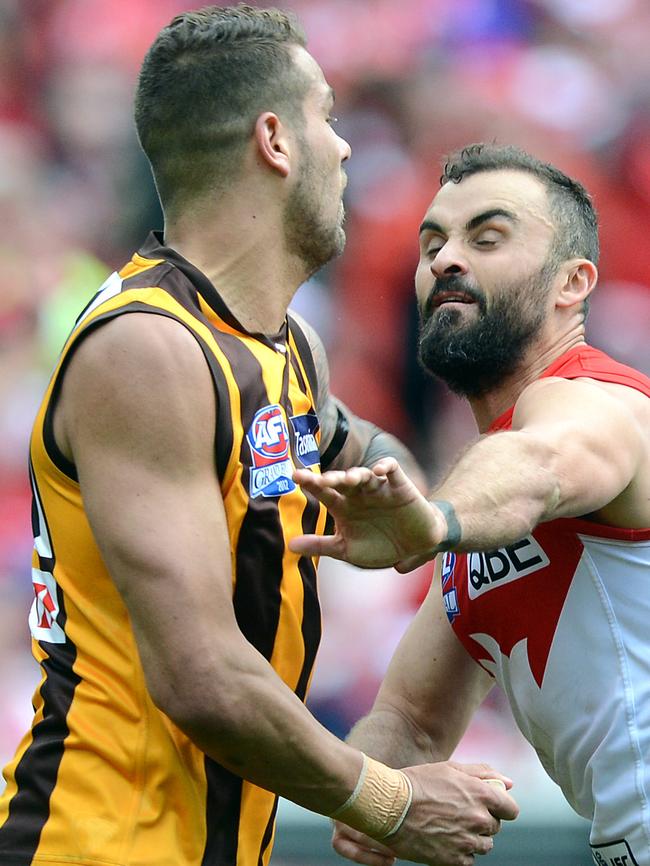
[(104, 777), (561, 620)]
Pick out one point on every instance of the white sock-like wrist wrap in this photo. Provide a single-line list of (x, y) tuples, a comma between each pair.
[(379, 802)]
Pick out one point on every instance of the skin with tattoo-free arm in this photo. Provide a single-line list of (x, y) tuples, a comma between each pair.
[(576, 448)]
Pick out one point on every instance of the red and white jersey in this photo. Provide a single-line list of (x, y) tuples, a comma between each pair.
[(562, 620)]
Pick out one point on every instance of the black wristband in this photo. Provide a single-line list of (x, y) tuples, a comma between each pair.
[(454, 533)]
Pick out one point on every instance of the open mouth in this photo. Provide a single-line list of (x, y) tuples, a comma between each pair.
[(451, 298)]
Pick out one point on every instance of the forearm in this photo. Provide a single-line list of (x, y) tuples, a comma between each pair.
[(391, 737), (499, 490), (250, 722)]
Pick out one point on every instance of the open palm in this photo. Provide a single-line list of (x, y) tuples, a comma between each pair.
[(381, 517)]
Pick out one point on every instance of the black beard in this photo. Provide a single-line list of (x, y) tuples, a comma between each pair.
[(473, 358)]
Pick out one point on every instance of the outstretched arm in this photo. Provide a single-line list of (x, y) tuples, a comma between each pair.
[(575, 449)]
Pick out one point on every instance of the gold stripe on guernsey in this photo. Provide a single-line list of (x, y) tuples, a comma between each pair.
[(255, 809), (138, 265)]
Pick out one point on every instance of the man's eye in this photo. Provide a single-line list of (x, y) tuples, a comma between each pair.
[(488, 238)]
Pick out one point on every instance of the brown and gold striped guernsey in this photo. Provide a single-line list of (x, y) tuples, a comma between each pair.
[(103, 778)]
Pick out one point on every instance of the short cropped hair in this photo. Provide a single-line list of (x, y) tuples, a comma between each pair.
[(572, 211), (204, 81)]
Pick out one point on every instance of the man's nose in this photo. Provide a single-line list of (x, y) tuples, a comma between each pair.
[(449, 260), (345, 149)]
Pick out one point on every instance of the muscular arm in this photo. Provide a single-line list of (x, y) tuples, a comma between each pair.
[(576, 448), (430, 692), (346, 439), (137, 416)]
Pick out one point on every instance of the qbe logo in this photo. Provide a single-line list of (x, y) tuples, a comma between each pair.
[(268, 438), (487, 570)]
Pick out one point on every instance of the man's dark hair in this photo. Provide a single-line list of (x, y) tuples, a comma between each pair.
[(574, 216), (206, 78)]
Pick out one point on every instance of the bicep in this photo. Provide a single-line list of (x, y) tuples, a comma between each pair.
[(592, 439), (141, 431), (432, 679)]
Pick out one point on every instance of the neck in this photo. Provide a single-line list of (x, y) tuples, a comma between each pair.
[(488, 407), (242, 252)]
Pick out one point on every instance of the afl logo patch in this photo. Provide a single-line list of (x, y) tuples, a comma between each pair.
[(305, 428), (271, 468)]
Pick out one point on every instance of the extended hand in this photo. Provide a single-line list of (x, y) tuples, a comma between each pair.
[(453, 816), (381, 517)]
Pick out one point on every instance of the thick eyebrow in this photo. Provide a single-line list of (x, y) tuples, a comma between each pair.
[(432, 226), (488, 215)]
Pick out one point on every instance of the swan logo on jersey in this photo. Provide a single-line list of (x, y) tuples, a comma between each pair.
[(268, 438), (488, 570), (449, 594), (45, 609), (304, 429)]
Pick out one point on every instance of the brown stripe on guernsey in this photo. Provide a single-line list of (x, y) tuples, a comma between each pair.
[(222, 814), (268, 834), (311, 625), (303, 358), (29, 808)]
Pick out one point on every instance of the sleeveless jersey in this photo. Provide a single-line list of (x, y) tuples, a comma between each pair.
[(561, 620), (104, 777)]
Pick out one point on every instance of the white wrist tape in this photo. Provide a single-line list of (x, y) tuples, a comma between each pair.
[(379, 802)]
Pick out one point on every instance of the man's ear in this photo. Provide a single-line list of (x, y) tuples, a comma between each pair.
[(581, 278), (273, 144)]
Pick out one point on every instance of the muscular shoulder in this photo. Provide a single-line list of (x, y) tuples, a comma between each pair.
[(555, 399), (137, 376)]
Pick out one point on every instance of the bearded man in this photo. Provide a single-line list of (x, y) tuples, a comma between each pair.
[(542, 526)]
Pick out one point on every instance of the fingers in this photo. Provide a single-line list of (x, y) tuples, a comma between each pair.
[(485, 772), (318, 545), (484, 844), (355, 480), (360, 848), (413, 562), (317, 486), (499, 803), (386, 466)]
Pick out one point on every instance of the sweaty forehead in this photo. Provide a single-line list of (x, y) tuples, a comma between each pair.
[(517, 192)]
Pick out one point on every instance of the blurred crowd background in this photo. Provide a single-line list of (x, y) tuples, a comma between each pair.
[(567, 79)]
